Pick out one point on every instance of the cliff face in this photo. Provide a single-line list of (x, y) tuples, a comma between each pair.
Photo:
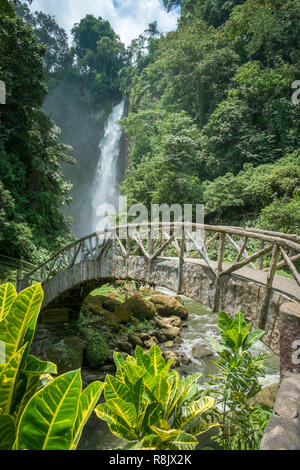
[(82, 127)]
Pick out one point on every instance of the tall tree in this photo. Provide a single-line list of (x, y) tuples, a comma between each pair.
[(100, 56), (32, 186), (48, 33)]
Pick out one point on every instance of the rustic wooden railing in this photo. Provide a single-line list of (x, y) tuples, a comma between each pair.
[(259, 249)]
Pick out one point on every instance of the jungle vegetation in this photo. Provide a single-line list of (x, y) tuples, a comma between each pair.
[(210, 116)]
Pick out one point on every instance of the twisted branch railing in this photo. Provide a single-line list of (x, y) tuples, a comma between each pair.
[(182, 240)]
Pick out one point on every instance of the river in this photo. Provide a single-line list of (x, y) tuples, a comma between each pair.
[(201, 325)]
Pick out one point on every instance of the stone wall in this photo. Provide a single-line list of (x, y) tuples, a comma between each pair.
[(283, 431)]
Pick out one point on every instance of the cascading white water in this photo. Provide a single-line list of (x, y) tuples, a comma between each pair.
[(105, 189)]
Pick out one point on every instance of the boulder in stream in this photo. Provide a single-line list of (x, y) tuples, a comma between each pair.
[(135, 340), (199, 351), (136, 305), (166, 306), (171, 333), (266, 396), (168, 322)]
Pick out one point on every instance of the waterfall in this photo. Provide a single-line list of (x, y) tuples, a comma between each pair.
[(106, 185)]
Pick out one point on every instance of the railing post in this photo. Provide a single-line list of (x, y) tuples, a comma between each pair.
[(219, 270), (261, 259), (127, 242), (149, 242), (181, 262), (19, 276), (19, 280), (268, 288), (222, 238)]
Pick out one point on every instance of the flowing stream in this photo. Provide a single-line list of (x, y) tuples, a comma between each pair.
[(106, 186), (201, 325)]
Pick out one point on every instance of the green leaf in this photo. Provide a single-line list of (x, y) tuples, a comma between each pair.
[(162, 389), (104, 412), (193, 409), (7, 432), (45, 380), (116, 424), (116, 389), (166, 435), (225, 322), (149, 441), (137, 396), (122, 431), (37, 367), (8, 379), (123, 409), (184, 441), (199, 428), (174, 384), (252, 338), (156, 359), (166, 369), (191, 379), (88, 400), (49, 418), (22, 314), (7, 296), (143, 360), (239, 321), (119, 359), (134, 372), (28, 390), (153, 414)]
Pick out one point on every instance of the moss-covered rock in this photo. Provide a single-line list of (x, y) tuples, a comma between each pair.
[(167, 306), (266, 396), (67, 354), (96, 348), (135, 340), (94, 305), (109, 303), (136, 305)]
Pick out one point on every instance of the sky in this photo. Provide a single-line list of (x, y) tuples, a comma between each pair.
[(129, 18)]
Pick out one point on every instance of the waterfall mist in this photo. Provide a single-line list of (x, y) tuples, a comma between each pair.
[(106, 186), (83, 125)]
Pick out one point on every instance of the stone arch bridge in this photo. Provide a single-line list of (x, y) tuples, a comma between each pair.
[(225, 268)]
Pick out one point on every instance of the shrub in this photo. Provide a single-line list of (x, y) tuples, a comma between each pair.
[(150, 407), (37, 412), (237, 380)]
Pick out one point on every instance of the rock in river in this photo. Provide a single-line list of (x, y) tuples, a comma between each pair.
[(199, 351), (166, 306)]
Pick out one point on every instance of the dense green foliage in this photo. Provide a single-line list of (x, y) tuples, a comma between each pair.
[(211, 118), (37, 412), (241, 425), (57, 56), (32, 188), (99, 55), (152, 407)]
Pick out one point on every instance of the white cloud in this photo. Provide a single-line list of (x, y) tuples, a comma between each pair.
[(129, 18)]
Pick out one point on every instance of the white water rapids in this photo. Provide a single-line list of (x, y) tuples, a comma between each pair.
[(106, 187)]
